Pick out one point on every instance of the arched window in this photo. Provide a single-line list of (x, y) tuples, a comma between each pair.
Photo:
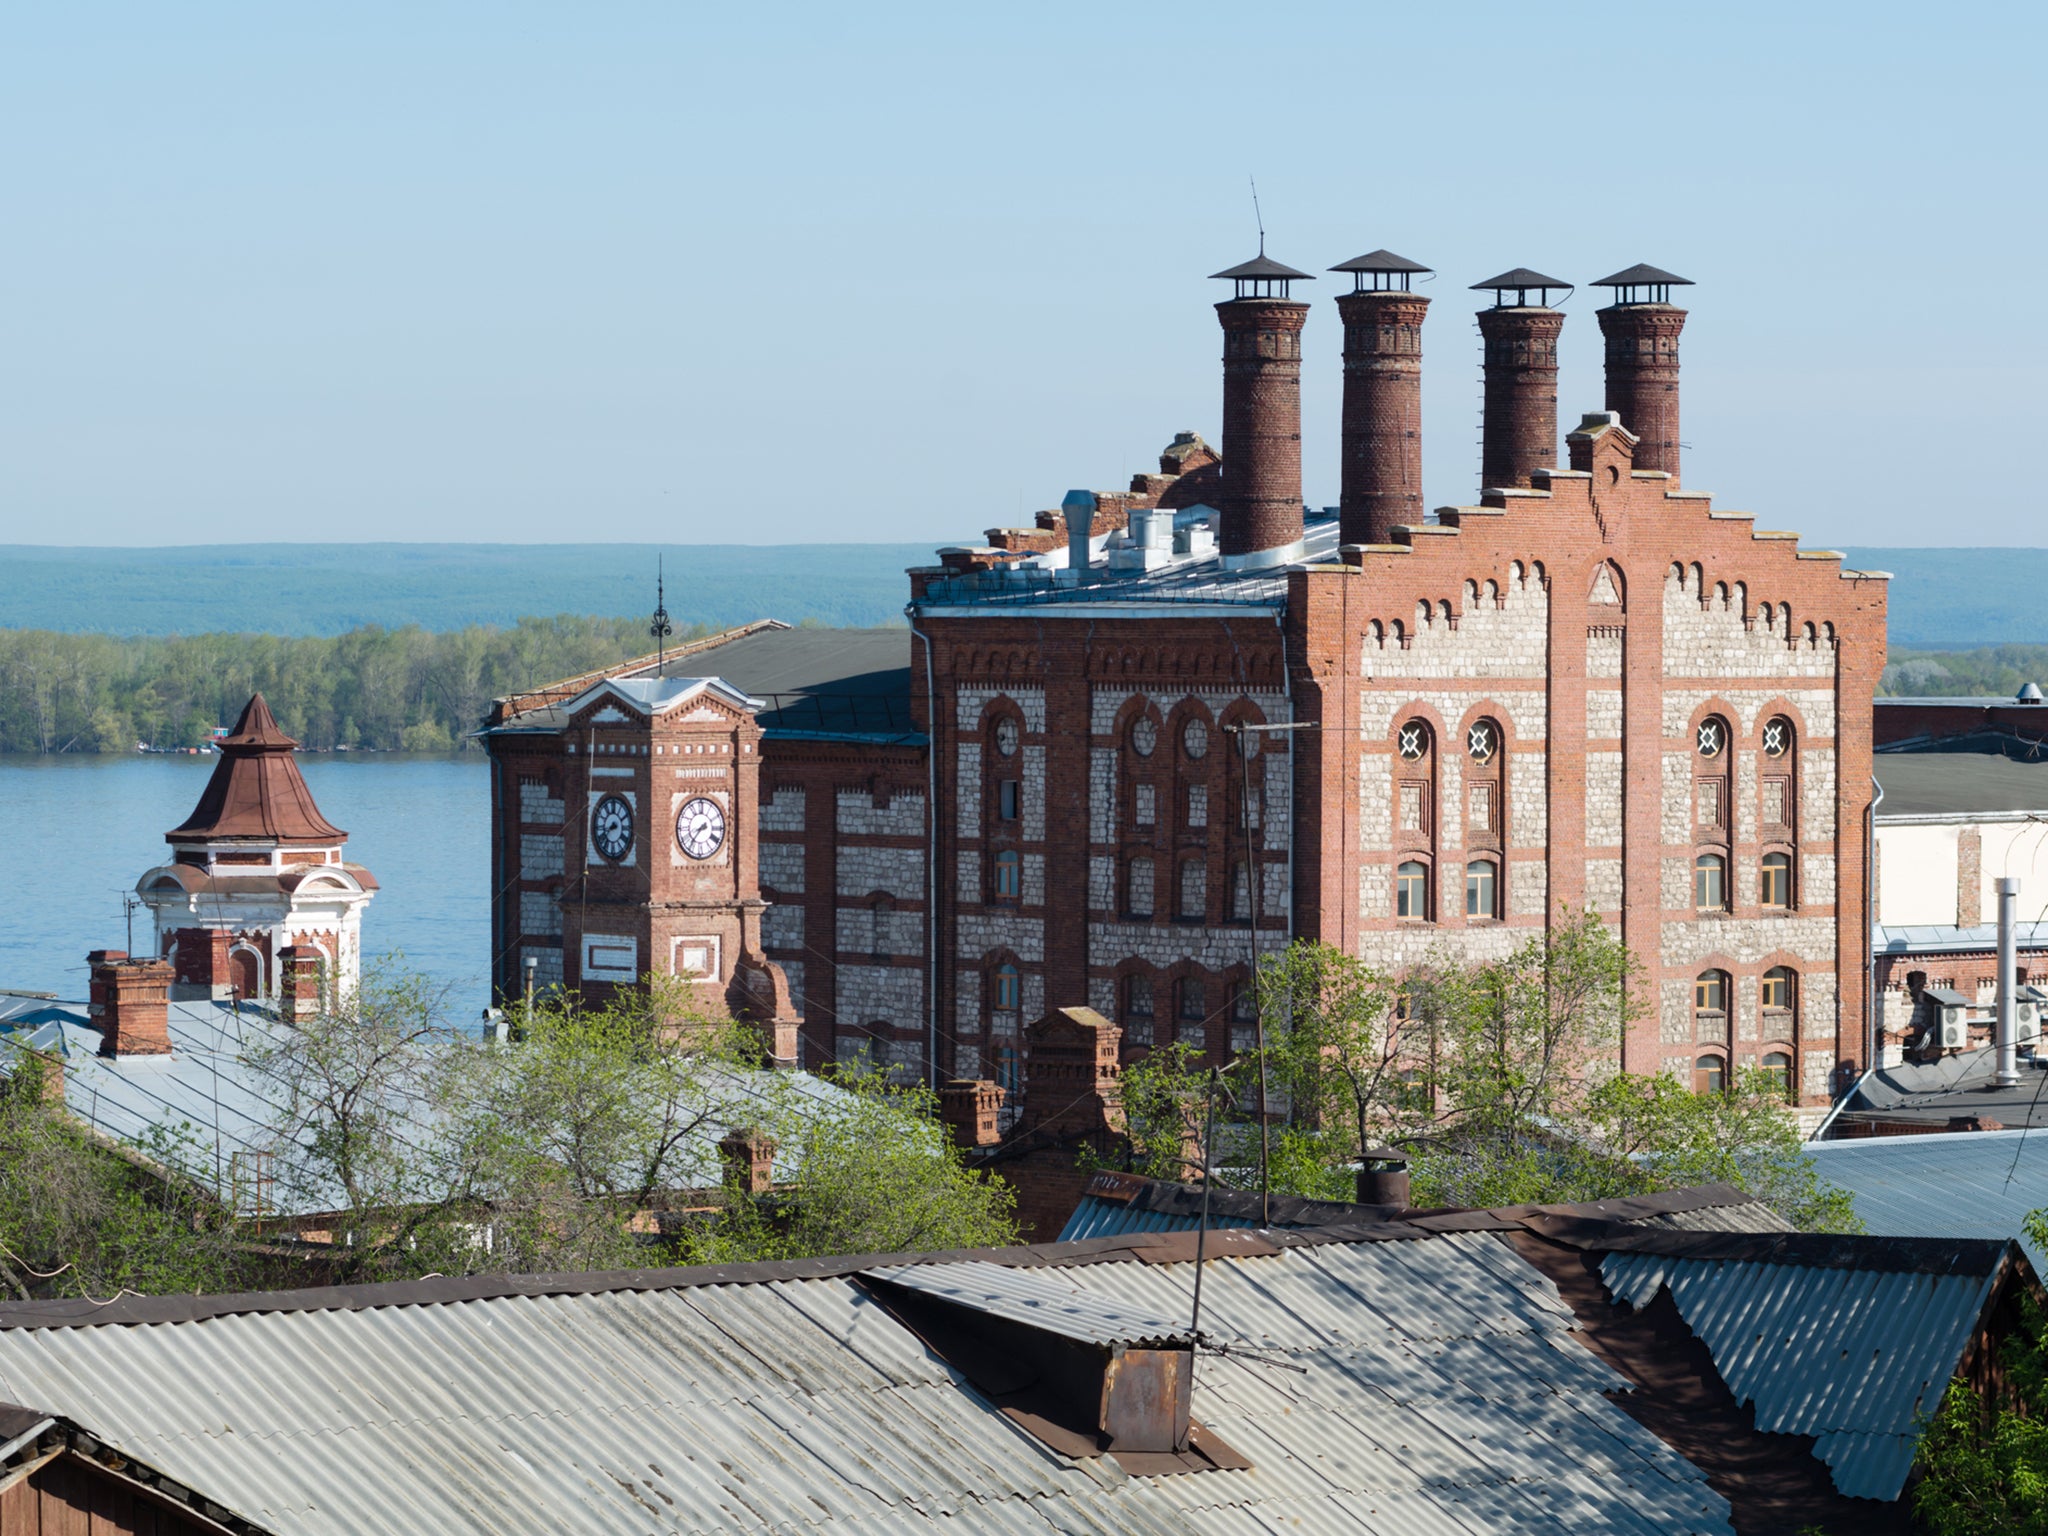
[(1485, 752), (1009, 989), (1194, 888), (1144, 735), (1774, 881), (1138, 886), (1777, 806), (1009, 875), (1779, 993), (1137, 1010), (1482, 888), (1777, 1066), (1710, 883), (1240, 893), (1709, 1075), (1194, 738), (1710, 1005), (1411, 890), (1191, 999)]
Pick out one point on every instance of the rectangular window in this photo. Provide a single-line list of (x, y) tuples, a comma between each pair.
[(1479, 805), (1480, 876), (1009, 876), (1411, 891), (1009, 799), (1138, 888), (1710, 882), (1198, 805), (1143, 808), (1774, 880), (1194, 888)]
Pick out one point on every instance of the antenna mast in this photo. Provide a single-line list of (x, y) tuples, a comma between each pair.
[(1257, 217)]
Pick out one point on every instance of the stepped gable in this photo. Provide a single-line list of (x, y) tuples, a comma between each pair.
[(257, 790)]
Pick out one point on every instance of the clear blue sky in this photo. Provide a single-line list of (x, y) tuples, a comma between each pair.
[(507, 271)]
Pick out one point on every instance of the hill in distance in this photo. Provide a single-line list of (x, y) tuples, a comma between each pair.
[(1944, 599)]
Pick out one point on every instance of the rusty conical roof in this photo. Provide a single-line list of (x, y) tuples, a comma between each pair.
[(257, 790)]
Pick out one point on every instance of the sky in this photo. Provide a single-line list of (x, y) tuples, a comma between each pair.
[(777, 273)]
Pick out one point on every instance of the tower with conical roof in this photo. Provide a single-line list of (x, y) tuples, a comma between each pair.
[(258, 884)]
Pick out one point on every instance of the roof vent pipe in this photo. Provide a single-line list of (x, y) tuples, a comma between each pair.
[(1079, 510), (2030, 693), (2008, 984)]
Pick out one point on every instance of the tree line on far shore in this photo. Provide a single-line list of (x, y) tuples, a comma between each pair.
[(387, 690)]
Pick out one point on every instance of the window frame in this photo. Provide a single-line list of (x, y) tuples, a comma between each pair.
[(1006, 884), (1776, 861), (1415, 873), (1781, 1075), (1709, 1073), (1703, 863), (1488, 871)]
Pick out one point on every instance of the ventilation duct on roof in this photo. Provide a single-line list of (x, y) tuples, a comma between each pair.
[(1083, 1373)]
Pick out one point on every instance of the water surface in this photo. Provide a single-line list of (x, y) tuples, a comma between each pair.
[(76, 833)]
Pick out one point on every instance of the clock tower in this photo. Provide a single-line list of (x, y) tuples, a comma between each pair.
[(657, 781)]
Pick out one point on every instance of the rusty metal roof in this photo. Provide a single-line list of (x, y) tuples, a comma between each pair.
[(257, 791)]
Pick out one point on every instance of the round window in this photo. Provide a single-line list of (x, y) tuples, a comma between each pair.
[(1777, 737), (1194, 738), (1482, 741), (1413, 741), (1006, 736), (1712, 737), (1144, 736)]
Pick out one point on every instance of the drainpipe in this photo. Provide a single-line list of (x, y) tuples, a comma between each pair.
[(931, 888), (1870, 930), (2008, 1064)]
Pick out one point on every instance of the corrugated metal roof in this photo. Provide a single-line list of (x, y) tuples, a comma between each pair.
[(1441, 1392), (1041, 1298), (1951, 1184), (1854, 1357)]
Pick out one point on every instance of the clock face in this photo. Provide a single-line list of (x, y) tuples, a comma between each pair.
[(611, 827), (700, 828)]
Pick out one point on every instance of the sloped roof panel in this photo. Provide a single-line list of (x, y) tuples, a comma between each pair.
[(1981, 1184)]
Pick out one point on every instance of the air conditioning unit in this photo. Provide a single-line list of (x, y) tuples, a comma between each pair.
[(1951, 1017), (2028, 1004)]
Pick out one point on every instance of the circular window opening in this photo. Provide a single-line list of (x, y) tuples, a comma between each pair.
[(1006, 737), (1144, 737), (1712, 737)]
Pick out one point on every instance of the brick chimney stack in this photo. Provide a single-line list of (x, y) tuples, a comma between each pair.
[(1382, 447), (1519, 433), (1261, 497), (971, 1109), (130, 1004), (1641, 327), (749, 1159), (298, 983)]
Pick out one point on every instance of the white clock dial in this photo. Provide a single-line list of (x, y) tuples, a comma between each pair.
[(700, 828), (611, 827)]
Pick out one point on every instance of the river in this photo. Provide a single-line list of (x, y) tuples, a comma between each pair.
[(76, 833)]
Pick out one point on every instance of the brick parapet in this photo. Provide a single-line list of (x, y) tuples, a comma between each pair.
[(1642, 378), (1381, 448), (1519, 433), (1261, 486)]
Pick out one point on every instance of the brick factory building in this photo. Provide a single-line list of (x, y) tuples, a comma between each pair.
[(1589, 688)]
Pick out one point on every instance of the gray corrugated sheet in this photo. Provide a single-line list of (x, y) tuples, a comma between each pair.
[(1854, 1357), (1042, 1298), (1442, 1393), (1951, 1184), (215, 1103), (1111, 1218)]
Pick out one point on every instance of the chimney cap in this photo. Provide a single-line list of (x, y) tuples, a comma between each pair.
[(2030, 693), (1257, 278), (1378, 265), (1643, 275), (1521, 280)]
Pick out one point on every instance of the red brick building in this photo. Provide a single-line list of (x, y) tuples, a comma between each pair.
[(1589, 687)]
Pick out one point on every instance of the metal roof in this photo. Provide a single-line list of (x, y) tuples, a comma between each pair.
[(1041, 1298), (1263, 265), (1950, 1184), (1521, 277), (1441, 1391), (1958, 783), (218, 1106), (1960, 1084), (1938, 938), (852, 683), (1642, 275), (1854, 1357), (1380, 261)]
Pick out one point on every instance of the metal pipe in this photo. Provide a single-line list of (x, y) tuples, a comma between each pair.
[(2008, 983), (1870, 931)]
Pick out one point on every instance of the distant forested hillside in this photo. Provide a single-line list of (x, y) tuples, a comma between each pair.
[(391, 689), (328, 589), (1997, 670)]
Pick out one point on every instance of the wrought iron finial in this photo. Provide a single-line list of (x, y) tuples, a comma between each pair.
[(660, 628)]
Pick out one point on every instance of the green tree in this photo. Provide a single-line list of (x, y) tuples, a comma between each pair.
[(1983, 1462), (874, 1171), (81, 1217)]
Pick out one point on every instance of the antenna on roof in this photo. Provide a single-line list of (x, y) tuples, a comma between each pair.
[(660, 628), (1257, 217)]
